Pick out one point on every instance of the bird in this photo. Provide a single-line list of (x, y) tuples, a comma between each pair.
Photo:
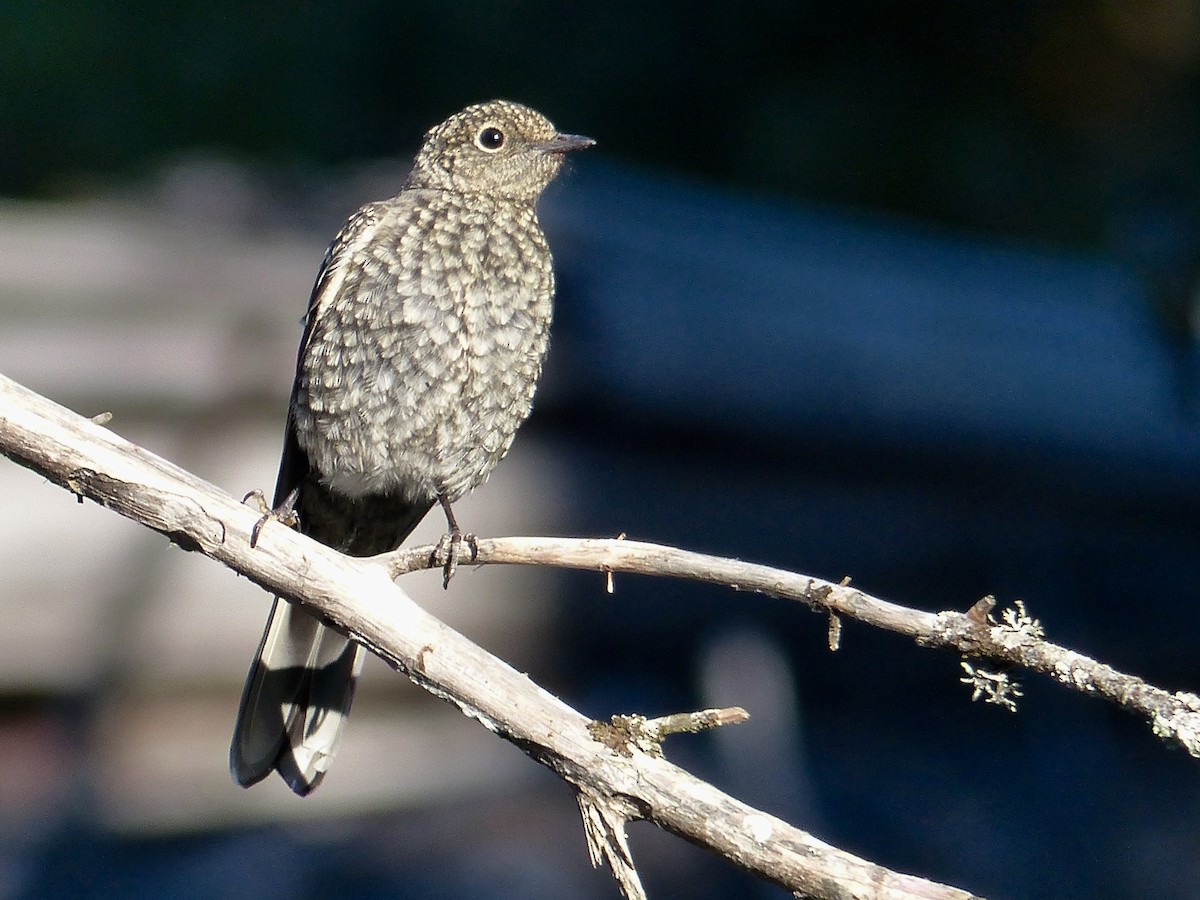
[(423, 342)]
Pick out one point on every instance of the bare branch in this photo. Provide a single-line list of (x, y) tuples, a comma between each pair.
[(360, 598), (1017, 639)]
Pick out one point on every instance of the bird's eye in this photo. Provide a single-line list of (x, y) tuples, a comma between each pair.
[(490, 139)]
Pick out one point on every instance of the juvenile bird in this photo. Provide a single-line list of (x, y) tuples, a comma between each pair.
[(422, 347)]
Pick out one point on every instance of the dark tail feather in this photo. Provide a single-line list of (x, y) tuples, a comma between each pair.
[(295, 702)]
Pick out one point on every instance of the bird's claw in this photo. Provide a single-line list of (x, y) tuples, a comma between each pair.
[(449, 549), (284, 514)]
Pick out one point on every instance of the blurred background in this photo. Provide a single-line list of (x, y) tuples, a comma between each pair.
[(901, 291)]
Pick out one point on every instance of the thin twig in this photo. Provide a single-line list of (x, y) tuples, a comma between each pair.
[(1014, 640)]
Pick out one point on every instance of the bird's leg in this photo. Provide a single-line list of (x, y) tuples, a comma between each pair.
[(451, 543), (285, 512)]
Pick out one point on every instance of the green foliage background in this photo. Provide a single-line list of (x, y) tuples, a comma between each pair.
[(1032, 119)]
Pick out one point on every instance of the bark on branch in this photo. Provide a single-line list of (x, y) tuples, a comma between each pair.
[(614, 785)]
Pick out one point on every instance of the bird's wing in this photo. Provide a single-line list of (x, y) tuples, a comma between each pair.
[(338, 262)]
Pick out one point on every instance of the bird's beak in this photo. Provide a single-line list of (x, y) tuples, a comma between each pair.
[(565, 143)]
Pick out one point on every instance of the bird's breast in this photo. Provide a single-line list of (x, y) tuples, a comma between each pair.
[(420, 371)]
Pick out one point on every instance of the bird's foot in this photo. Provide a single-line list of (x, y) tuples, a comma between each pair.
[(448, 551), (450, 544), (285, 513)]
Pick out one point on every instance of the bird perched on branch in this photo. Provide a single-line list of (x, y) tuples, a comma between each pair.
[(422, 347)]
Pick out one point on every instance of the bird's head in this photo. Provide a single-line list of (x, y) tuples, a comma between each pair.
[(499, 148)]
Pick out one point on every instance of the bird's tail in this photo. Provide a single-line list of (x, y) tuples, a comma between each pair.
[(295, 702), (301, 683)]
